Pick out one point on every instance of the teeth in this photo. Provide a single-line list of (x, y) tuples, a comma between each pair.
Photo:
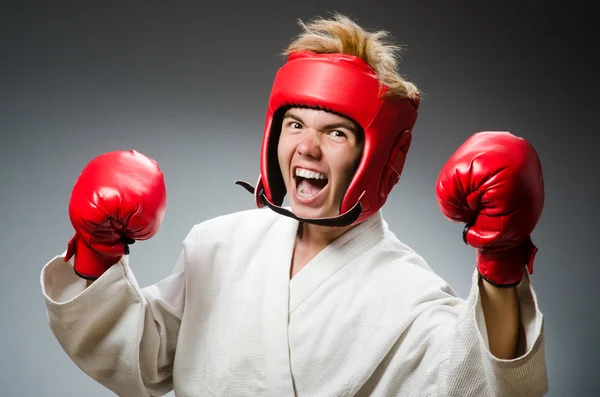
[(302, 194), (309, 174)]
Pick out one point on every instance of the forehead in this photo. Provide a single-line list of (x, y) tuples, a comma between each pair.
[(319, 116)]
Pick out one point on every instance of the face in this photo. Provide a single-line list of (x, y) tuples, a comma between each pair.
[(317, 152)]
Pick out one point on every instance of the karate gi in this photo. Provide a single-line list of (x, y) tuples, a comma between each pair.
[(366, 317)]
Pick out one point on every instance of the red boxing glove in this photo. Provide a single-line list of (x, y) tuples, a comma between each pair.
[(494, 184), (118, 198)]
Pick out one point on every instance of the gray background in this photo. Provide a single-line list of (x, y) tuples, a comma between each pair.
[(187, 84)]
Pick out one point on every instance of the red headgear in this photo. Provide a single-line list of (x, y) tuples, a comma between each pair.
[(348, 86)]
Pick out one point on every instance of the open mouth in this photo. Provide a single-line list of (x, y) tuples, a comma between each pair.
[(309, 183)]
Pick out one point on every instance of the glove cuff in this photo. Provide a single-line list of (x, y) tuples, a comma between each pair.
[(88, 263), (504, 268)]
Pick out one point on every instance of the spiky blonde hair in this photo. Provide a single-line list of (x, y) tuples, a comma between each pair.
[(342, 35)]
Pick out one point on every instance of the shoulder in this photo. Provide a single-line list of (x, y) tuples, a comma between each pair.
[(237, 224), (400, 267)]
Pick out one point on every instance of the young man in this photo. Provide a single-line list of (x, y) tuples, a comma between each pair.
[(319, 298)]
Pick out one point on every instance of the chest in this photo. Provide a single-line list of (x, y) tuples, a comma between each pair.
[(300, 258), (280, 321)]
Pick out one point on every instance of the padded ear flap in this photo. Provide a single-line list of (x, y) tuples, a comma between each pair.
[(274, 177), (395, 164), (359, 160)]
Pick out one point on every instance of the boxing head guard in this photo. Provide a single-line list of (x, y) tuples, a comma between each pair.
[(348, 86)]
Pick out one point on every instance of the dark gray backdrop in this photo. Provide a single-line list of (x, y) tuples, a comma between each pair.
[(187, 83)]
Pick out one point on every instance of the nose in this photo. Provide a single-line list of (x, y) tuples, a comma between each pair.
[(309, 145)]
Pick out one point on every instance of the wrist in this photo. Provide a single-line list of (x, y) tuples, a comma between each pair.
[(498, 290)]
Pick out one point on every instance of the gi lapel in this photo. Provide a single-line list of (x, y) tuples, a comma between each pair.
[(276, 254), (336, 255)]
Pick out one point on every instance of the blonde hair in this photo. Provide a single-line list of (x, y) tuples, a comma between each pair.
[(344, 36)]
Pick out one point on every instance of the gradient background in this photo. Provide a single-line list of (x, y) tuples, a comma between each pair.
[(187, 84)]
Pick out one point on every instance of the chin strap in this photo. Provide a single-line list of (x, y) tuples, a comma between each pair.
[(345, 219)]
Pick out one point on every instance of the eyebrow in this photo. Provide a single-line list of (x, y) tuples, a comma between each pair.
[(345, 124)]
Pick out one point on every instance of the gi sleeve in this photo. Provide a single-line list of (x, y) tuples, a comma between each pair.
[(470, 369), (461, 361), (444, 352), (119, 334)]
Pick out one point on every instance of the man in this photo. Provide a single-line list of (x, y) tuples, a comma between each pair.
[(319, 298)]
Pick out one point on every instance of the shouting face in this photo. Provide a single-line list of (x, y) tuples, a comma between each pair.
[(318, 152)]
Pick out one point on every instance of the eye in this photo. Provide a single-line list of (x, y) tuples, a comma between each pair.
[(294, 125), (338, 134)]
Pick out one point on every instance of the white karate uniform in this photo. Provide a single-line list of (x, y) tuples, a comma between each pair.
[(366, 317)]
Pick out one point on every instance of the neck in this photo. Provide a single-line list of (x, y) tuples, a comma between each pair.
[(315, 237), (310, 240)]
